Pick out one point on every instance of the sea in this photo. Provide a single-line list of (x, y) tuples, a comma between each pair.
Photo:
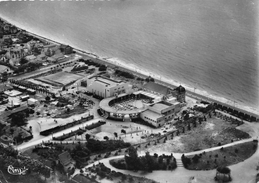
[(210, 47)]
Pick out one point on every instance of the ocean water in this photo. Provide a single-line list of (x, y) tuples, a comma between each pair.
[(209, 45)]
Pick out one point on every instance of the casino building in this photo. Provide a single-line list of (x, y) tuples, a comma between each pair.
[(155, 104)]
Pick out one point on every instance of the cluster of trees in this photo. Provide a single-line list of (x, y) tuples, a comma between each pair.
[(146, 163), (81, 152), (28, 67), (19, 119), (30, 85), (96, 146), (238, 122), (235, 113), (150, 79), (102, 68), (26, 38), (50, 152), (9, 156), (4, 76), (124, 74), (80, 68), (140, 79), (186, 161), (23, 61), (103, 172)]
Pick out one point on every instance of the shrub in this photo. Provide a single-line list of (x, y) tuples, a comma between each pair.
[(236, 151), (254, 146)]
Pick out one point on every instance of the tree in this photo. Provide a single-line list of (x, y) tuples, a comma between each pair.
[(196, 158), (236, 151), (116, 135), (23, 61), (4, 76), (102, 68), (189, 127), (149, 162), (18, 119), (47, 98), (132, 160), (87, 136), (123, 131)]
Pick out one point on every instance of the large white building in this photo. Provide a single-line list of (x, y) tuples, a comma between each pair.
[(158, 113), (106, 87)]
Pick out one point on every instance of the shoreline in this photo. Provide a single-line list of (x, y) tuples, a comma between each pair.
[(191, 92)]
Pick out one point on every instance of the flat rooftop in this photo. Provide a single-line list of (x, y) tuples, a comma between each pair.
[(107, 81), (159, 106), (152, 115)]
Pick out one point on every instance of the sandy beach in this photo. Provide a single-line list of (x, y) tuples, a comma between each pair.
[(193, 92)]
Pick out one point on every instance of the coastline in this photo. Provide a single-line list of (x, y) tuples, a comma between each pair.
[(192, 92)]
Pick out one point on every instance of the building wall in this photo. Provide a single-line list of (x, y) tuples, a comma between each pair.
[(105, 91), (98, 89), (168, 113), (157, 122), (120, 88), (177, 107)]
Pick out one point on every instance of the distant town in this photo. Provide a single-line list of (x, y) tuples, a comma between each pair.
[(67, 116)]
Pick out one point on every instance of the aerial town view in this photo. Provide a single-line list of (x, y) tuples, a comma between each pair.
[(70, 116)]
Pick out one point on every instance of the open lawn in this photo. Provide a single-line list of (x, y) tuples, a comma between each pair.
[(210, 133), (223, 157)]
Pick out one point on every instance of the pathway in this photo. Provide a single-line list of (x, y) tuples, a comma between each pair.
[(182, 175)]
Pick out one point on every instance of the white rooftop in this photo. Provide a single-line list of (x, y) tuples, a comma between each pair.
[(152, 115)]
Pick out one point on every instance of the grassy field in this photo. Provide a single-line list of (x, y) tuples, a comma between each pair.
[(223, 157), (210, 133)]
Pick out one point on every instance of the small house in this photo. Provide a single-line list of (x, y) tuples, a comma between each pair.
[(66, 161)]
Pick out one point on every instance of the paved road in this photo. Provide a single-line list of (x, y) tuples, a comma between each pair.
[(35, 142)]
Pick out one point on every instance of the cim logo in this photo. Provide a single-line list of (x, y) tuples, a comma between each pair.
[(17, 171)]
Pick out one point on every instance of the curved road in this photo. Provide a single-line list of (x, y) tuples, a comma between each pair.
[(240, 172)]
